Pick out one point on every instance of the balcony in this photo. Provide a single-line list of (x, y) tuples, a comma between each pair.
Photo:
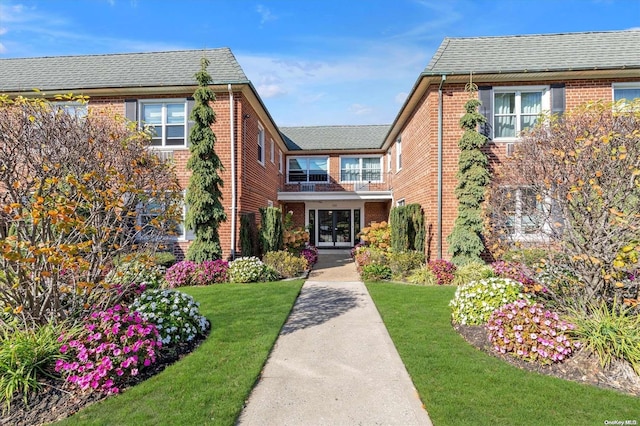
[(335, 190)]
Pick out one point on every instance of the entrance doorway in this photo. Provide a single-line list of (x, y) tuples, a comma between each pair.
[(334, 228)]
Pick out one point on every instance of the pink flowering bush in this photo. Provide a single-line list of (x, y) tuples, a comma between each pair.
[(443, 270), (115, 345), (181, 274), (210, 272), (518, 272), (530, 332), (311, 254)]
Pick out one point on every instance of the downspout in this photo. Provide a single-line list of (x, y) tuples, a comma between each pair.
[(439, 221), (233, 172)]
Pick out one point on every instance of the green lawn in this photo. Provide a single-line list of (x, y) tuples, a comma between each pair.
[(461, 385), (210, 385)]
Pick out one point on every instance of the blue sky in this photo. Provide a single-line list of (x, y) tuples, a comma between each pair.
[(313, 62)]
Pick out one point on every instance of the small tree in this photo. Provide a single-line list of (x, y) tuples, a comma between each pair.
[(205, 211), (465, 242), (418, 231), (248, 234), (407, 228), (271, 231), (573, 182), (75, 193)]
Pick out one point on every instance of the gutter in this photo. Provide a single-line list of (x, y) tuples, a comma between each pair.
[(440, 126), (233, 172)]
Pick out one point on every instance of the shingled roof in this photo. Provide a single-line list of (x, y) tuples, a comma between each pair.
[(534, 53), (334, 137), (156, 69)]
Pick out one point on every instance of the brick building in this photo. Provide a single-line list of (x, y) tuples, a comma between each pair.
[(338, 179)]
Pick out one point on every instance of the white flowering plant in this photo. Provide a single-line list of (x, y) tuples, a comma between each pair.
[(475, 301), (248, 270), (176, 315)]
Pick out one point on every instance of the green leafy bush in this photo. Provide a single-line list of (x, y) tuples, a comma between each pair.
[(366, 255), (271, 229), (474, 302), (175, 314), (530, 332), (473, 271), (402, 263), (164, 258), (137, 271), (610, 333), (422, 276), (287, 264), (375, 272), (26, 356), (246, 270)]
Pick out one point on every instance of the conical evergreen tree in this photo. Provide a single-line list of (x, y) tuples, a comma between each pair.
[(205, 211), (465, 242)]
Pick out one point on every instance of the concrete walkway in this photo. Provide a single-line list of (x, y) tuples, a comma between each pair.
[(334, 362)]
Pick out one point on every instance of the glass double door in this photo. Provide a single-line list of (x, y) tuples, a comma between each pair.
[(334, 228)]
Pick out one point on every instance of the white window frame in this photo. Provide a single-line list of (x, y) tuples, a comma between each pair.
[(272, 153), (307, 157), (399, 154), (261, 148), (388, 161), (360, 167), (164, 102), (518, 90), (622, 86), (401, 202), (186, 235), (518, 233), (280, 160), (74, 108)]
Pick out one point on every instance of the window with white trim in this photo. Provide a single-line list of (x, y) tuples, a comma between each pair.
[(626, 91), (272, 152), (389, 161), (308, 169), (400, 202), (279, 161), (399, 154), (167, 120), (152, 208), (76, 109), (260, 144), (517, 109), (525, 212), (361, 169)]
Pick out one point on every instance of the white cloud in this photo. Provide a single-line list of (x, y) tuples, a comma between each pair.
[(359, 109), (265, 14)]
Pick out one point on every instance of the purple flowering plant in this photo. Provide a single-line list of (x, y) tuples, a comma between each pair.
[(311, 254), (530, 332), (181, 274), (115, 345), (443, 270), (210, 272)]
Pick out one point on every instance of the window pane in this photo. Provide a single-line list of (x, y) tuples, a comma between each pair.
[(318, 170), (505, 127), (505, 103), (527, 121), (175, 113), (531, 103), (629, 94), (349, 169), (152, 113), (175, 132), (176, 142), (371, 169), (297, 170)]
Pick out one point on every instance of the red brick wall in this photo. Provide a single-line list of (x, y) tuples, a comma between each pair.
[(298, 210), (376, 212)]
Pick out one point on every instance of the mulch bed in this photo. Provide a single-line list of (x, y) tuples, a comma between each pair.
[(58, 400), (581, 367)]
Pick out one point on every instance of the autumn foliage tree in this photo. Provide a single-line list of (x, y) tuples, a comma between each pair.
[(573, 184), (72, 195)]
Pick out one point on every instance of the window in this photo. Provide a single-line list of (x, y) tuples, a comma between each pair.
[(77, 109), (260, 144), (308, 169), (399, 154), (628, 91), (361, 169), (389, 161), (524, 210), (167, 121), (151, 209), (280, 162), (273, 152), (517, 109), (400, 202)]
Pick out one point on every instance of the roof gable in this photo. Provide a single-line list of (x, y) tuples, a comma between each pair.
[(62, 73), (530, 53)]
